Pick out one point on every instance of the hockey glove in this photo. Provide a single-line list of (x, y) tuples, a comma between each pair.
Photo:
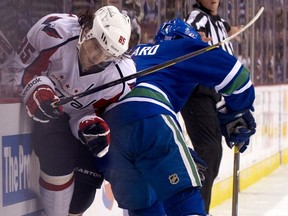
[(94, 133), (237, 128), (200, 164), (38, 95)]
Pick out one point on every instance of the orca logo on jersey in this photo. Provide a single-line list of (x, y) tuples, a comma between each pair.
[(174, 179), (146, 50)]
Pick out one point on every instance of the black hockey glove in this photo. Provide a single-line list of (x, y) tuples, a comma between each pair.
[(94, 133), (201, 164), (237, 128)]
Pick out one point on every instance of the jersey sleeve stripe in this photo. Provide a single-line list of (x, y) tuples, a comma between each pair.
[(244, 88), (238, 82), (229, 77)]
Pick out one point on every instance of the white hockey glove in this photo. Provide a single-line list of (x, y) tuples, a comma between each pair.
[(237, 127), (94, 133), (38, 95)]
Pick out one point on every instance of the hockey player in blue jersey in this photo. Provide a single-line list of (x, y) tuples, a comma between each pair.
[(148, 158)]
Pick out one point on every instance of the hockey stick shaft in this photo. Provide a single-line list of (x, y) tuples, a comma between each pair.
[(236, 173), (156, 67)]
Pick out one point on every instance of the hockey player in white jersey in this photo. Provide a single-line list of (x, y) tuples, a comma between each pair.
[(64, 55)]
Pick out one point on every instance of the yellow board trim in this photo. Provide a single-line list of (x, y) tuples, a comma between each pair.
[(222, 191), (284, 156)]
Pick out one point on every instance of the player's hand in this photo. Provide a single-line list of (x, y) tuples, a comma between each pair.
[(235, 29), (94, 133), (237, 128), (204, 38), (238, 135), (200, 164), (38, 96)]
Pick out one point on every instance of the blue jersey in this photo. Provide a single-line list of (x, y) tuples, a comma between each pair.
[(147, 147), (166, 91)]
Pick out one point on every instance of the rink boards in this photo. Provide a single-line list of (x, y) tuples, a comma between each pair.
[(268, 147), (20, 168)]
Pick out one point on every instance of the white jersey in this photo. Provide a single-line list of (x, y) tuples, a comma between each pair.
[(49, 49)]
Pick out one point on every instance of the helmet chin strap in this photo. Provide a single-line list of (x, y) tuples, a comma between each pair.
[(81, 39)]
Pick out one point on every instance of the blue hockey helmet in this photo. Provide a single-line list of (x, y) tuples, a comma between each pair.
[(174, 29)]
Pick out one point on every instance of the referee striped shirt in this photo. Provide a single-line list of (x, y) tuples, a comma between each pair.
[(213, 26)]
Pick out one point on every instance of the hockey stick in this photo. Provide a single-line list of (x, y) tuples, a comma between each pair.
[(156, 67), (236, 173)]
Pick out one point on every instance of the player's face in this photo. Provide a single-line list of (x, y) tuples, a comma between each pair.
[(211, 5), (91, 53)]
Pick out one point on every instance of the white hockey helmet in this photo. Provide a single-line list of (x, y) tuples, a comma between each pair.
[(112, 30)]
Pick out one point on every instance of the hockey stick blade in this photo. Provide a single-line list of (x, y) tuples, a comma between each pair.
[(156, 67)]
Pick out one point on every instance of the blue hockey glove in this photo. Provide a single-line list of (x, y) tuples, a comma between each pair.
[(237, 128), (201, 164), (94, 133)]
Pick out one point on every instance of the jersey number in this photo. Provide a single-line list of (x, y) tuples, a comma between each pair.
[(25, 50), (122, 40)]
